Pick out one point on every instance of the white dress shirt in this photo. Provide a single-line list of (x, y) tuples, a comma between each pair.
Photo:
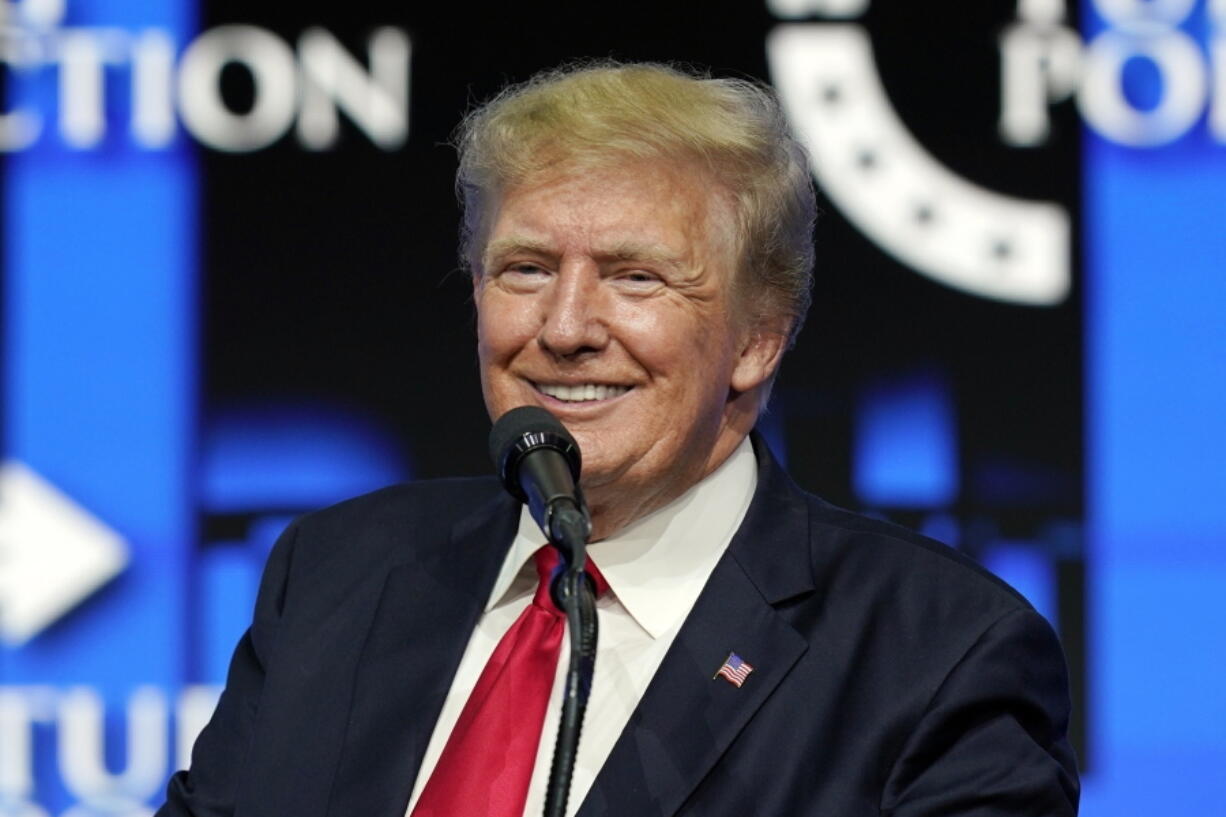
[(656, 568)]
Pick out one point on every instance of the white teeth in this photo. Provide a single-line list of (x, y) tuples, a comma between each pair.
[(582, 393)]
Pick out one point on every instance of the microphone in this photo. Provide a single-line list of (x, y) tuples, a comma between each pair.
[(539, 463)]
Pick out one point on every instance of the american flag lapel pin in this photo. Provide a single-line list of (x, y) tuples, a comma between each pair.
[(734, 670)]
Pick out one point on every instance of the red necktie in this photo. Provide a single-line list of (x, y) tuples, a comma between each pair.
[(486, 766)]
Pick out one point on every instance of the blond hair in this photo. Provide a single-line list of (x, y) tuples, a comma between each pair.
[(601, 113)]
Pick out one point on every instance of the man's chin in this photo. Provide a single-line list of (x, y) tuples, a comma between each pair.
[(598, 473)]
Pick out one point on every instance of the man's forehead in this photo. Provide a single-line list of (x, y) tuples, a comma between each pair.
[(647, 211)]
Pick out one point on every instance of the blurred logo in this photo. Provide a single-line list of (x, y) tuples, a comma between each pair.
[(1142, 82), (53, 553), (883, 180)]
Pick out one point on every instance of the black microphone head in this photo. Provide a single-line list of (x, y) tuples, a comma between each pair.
[(523, 430)]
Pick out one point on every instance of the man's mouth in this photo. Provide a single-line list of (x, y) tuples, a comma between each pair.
[(581, 392)]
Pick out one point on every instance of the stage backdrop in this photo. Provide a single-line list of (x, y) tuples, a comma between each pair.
[(230, 295)]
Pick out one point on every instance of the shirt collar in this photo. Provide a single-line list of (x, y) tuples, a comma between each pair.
[(658, 565)]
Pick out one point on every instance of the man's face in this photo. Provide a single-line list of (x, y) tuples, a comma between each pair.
[(604, 297)]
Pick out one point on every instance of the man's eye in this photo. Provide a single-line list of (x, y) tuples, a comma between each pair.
[(523, 274), (639, 278)]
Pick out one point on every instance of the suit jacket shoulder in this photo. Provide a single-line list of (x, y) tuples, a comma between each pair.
[(363, 612), (390, 526), (881, 575), (891, 675)]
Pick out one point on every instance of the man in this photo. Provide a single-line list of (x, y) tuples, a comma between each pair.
[(639, 240)]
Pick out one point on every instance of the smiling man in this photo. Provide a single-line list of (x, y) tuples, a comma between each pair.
[(605, 295), (640, 245)]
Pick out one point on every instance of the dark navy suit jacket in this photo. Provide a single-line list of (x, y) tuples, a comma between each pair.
[(892, 676)]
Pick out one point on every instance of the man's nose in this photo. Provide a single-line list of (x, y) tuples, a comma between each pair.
[(574, 321)]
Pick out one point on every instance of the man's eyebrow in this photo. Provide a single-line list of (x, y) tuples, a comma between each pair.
[(627, 251), (640, 253), (513, 246)]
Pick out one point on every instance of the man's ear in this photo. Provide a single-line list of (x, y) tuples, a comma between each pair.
[(760, 353)]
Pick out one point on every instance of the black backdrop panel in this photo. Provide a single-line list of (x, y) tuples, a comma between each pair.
[(333, 275)]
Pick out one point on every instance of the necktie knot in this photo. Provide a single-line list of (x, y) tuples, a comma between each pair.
[(548, 563)]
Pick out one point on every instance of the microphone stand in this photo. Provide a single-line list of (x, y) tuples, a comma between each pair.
[(571, 590)]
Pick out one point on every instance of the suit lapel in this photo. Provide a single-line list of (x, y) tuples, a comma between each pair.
[(687, 719), (426, 612)]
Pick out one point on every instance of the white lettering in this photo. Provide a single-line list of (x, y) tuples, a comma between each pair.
[(20, 709), (16, 747), (1041, 12), (1217, 109), (41, 14), (271, 65), (82, 749), (1042, 61), (20, 127), (313, 86), (1142, 15), (377, 102), (1108, 110), (79, 717), (153, 113), (1040, 66), (82, 88), (1217, 65)]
